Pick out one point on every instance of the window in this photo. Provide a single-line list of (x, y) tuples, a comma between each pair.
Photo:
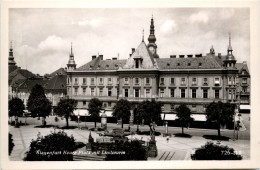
[(84, 81), (194, 81), (205, 81), (92, 91), (84, 103), (136, 92), (136, 64), (109, 104), (217, 81), (76, 80), (183, 81), (109, 80), (161, 92), (117, 80), (68, 90), (100, 91), (172, 81), (105, 105), (162, 81), (205, 93), (244, 80), (100, 80), (126, 80), (147, 80), (126, 92), (68, 80), (193, 93), (172, 106), (136, 80), (92, 81), (76, 91), (182, 93), (217, 93), (229, 94), (172, 93), (244, 89), (229, 80), (84, 90), (148, 93), (109, 93)]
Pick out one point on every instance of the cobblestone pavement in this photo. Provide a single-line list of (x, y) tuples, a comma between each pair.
[(176, 148)]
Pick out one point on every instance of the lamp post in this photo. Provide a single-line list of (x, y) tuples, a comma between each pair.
[(78, 119)]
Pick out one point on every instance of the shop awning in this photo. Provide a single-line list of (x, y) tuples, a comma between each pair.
[(81, 112), (109, 113), (245, 107), (197, 117)]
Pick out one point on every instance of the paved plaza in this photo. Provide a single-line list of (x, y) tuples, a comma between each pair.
[(177, 148)]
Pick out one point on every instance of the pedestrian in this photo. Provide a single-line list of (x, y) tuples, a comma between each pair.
[(167, 138)]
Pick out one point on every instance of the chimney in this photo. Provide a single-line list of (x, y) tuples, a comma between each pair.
[(181, 56), (198, 55), (133, 50), (244, 62), (219, 55), (172, 56), (93, 57), (130, 55), (114, 58), (101, 57), (190, 56)]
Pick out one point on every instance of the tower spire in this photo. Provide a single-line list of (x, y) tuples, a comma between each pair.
[(229, 44), (71, 53), (143, 36), (151, 39), (11, 55)]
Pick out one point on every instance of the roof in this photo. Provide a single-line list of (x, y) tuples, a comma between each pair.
[(29, 84), (98, 64), (242, 66), (60, 71), (204, 62), (57, 83), (11, 68)]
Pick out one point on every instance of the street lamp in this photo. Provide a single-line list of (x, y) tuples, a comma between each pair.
[(78, 119)]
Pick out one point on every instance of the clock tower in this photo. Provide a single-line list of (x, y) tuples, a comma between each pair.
[(151, 39)]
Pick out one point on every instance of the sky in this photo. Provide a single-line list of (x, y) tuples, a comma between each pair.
[(41, 37)]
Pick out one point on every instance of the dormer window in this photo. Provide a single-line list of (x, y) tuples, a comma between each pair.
[(178, 64), (136, 63), (168, 64), (188, 64), (200, 64), (107, 65)]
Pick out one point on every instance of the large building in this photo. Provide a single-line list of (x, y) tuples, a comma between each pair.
[(195, 80)]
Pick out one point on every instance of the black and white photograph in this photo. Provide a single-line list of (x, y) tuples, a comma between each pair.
[(132, 83)]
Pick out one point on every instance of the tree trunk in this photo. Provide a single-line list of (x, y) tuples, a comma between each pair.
[(16, 121), (122, 125), (137, 130), (43, 121), (182, 129), (95, 124), (67, 121), (151, 131), (219, 130)]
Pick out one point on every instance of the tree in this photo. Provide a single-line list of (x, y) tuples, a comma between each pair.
[(122, 110), (94, 108), (16, 108), (221, 113), (184, 116), (65, 108), (150, 112), (57, 146), (38, 104), (211, 151), (36, 93), (132, 150)]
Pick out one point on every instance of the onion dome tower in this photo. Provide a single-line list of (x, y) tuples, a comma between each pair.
[(151, 39), (71, 63), (11, 56), (230, 60)]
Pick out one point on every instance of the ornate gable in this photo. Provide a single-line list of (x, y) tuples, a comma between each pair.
[(141, 59)]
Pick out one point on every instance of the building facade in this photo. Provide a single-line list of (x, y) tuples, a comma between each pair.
[(195, 80)]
